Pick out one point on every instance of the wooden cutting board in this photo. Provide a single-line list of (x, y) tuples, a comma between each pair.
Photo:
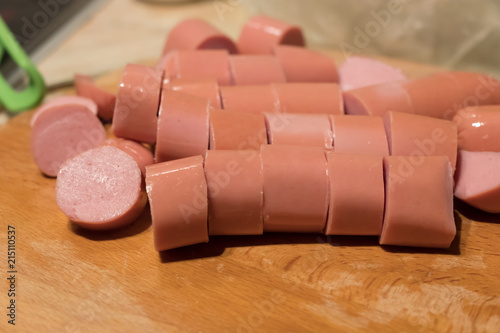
[(72, 280)]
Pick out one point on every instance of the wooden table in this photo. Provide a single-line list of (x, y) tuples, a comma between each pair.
[(72, 280)]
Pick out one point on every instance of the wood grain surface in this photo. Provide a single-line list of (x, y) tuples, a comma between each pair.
[(73, 280)]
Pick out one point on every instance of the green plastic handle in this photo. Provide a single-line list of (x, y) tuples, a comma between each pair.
[(13, 100)]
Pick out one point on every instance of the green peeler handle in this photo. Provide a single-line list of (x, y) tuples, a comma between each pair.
[(12, 99)]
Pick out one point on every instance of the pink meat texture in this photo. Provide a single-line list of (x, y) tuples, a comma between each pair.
[(101, 189), (61, 132), (478, 180)]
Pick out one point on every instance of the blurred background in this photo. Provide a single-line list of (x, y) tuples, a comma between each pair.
[(101, 36)]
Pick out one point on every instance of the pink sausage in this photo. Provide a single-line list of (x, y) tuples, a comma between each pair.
[(183, 128), (233, 130), (206, 88), (200, 65), (261, 33), (100, 189), (478, 128), (234, 181), (255, 69), (417, 136), (141, 155), (358, 72), (418, 202), (299, 129), (359, 135), (64, 101), (60, 133), (478, 181), (295, 188), (440, 95), (253, 99), (310, 98), (356, 194), (137, 100), (195, 34), (304, 65), (105, 101), (378, 99), (177, 193)]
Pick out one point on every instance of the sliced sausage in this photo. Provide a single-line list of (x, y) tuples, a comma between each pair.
[(478, 181), (206, 88), (195, 34), (141, 155), (359, 135), (299, 129), (234, 181), (378, 99), (100, 189), (253, 99), (295, 188), (85, 87), (137, 100), (255, 69), (199, 65), (177, 192), (478, 128), (418, 202), (310, 98), (62, 132), (233, 130), (261, 33), (418, 136), (356, 194), (64, 101), (358, 72), (183, 128), (439, 95), (303, 65)]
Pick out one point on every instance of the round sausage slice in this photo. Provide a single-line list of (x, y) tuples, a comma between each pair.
[(137, 100), (194, 34), (64, 101), (295, 188), (418, 202), (253, 99), (261, 33), (309, 97), (356, 194), (206, 88), (478, 128), (104, 100), (299, 129), (478, 180), (200, 65), (359, 135), (137, 151), (62, 132), (303, 65), (233, 130), (418, 136), (255, 69), (183, 128), (177, 192), (234, 180), (100, 189)]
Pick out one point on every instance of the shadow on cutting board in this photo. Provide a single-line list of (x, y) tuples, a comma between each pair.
[(218, 244), (475, 214)]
